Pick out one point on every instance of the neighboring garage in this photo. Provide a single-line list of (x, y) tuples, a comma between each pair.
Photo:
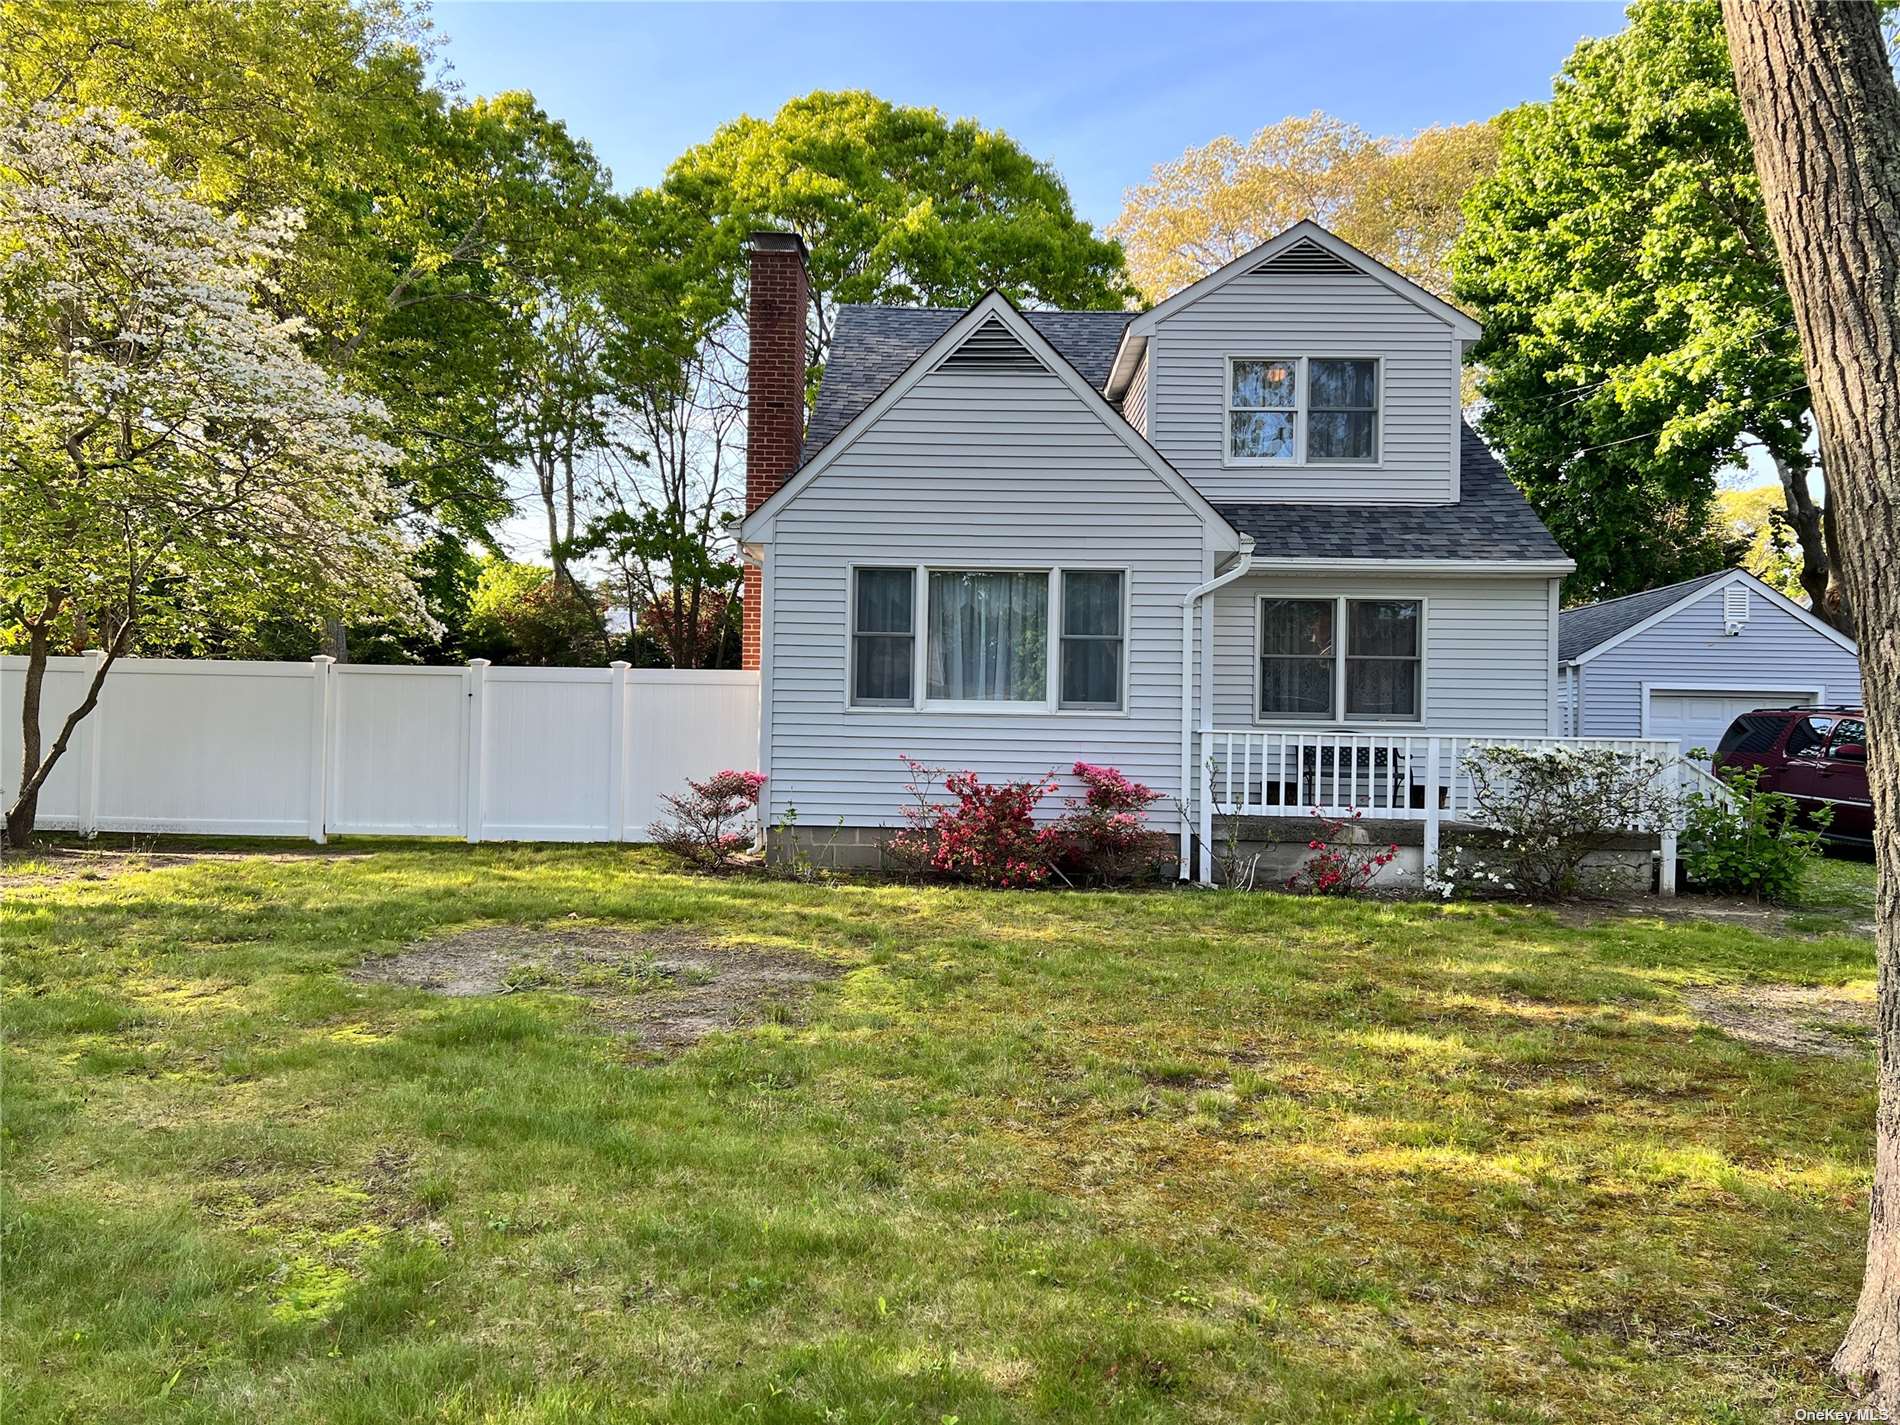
[(1686, 660)]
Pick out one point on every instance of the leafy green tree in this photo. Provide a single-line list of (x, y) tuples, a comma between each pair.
[(1396, 199), (1638, 335), (1756, 519), (325, 107), (895, 204), (171, 460), (522, 614)]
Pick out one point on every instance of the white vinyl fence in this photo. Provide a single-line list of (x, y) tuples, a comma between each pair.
[(320, 748)]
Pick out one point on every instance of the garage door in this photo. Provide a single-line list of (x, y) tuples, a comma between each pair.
[(1700, 719)]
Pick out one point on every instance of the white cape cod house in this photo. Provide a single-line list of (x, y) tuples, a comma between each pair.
[(1240, 546)]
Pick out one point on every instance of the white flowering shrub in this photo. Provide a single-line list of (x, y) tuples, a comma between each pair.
[(1469, 872), (1548, 808), (171, 459)]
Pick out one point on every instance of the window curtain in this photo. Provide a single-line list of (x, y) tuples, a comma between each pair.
[(988, 637), (1296, 657), (1382, 662)]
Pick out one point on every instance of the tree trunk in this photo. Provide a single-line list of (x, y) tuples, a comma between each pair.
[(26, 803), (1824, 115), (1836, 606), (33, 769), (1804, 518), (336, 640)]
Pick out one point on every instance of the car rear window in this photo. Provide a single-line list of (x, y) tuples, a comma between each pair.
[(1808, 734), (1851, 731), (1748, 735)]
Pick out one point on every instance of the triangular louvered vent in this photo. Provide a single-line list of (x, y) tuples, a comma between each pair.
[(1306, 257), (991, 349)]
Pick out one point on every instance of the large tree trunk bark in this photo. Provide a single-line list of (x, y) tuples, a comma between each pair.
[(1822, 109)]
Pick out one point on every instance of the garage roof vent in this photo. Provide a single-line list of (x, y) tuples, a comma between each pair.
[(1735, 608)]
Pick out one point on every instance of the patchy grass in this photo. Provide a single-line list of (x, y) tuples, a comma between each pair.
[(1031, 1156)]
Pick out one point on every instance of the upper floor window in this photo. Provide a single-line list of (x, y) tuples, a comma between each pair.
[(1303, 410)]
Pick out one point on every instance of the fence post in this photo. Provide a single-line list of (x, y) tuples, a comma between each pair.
[(319, 745), (1429, 857), (475, 739), (89, 749), (617, 753), (1672, 784), (1207, 810)]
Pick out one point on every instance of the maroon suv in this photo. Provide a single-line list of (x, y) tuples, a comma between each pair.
[(1818, 756)]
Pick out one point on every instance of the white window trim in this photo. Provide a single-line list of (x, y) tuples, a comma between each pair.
[(1302, 407), (1049, 705), (851, 637), (1339, 600)]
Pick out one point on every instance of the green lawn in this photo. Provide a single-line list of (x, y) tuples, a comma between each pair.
[(1175, 1156)]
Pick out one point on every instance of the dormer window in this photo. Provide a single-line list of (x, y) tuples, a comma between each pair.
[(1302, 410)]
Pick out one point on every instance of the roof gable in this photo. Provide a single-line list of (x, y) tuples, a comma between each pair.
[(872, 346), (1590, 630), (1306, 247), (992, 321)]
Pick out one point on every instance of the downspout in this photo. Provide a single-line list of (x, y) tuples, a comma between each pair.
[(1240, 566)]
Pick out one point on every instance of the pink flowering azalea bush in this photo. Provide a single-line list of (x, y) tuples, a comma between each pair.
[(1104, 837), (1341, 864), (985, 833), (712, 821)]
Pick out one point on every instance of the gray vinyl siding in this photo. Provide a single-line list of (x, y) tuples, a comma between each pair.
[(1135, 399), (1488, 654), (971, 472), (1286, 314), (1689, 651)]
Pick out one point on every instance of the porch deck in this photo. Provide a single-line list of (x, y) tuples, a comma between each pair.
[(1392, 776)]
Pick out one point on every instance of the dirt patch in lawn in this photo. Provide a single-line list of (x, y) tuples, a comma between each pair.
[(57, 864), (1790, 1019), (666, 989)]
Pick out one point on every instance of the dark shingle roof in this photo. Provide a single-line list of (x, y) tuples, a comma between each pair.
[(1584, 627), (871, 346), (1492, 520)]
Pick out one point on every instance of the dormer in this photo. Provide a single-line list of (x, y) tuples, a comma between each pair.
[(1302, 372)]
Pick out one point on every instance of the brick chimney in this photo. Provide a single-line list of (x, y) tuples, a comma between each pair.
[(775, 388)]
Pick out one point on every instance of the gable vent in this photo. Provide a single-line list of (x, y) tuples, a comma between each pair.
[(1735, 608), (1307, 257), (992, 349)]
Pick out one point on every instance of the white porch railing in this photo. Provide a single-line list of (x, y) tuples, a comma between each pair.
[(1390, 776)]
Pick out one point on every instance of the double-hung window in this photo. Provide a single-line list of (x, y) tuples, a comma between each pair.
[(1319, 656), (1021, 639), (1302, 410), (1092, 639), (883, 637)]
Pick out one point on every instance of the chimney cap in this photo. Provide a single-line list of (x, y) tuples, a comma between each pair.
[(768, 240)]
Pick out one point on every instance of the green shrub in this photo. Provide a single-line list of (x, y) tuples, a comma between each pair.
[(1750, 844)]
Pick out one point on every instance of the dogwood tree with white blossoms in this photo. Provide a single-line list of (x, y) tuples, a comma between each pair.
[(170, 458)]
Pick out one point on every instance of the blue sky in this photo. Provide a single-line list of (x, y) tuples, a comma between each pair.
[(1104, 92)]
